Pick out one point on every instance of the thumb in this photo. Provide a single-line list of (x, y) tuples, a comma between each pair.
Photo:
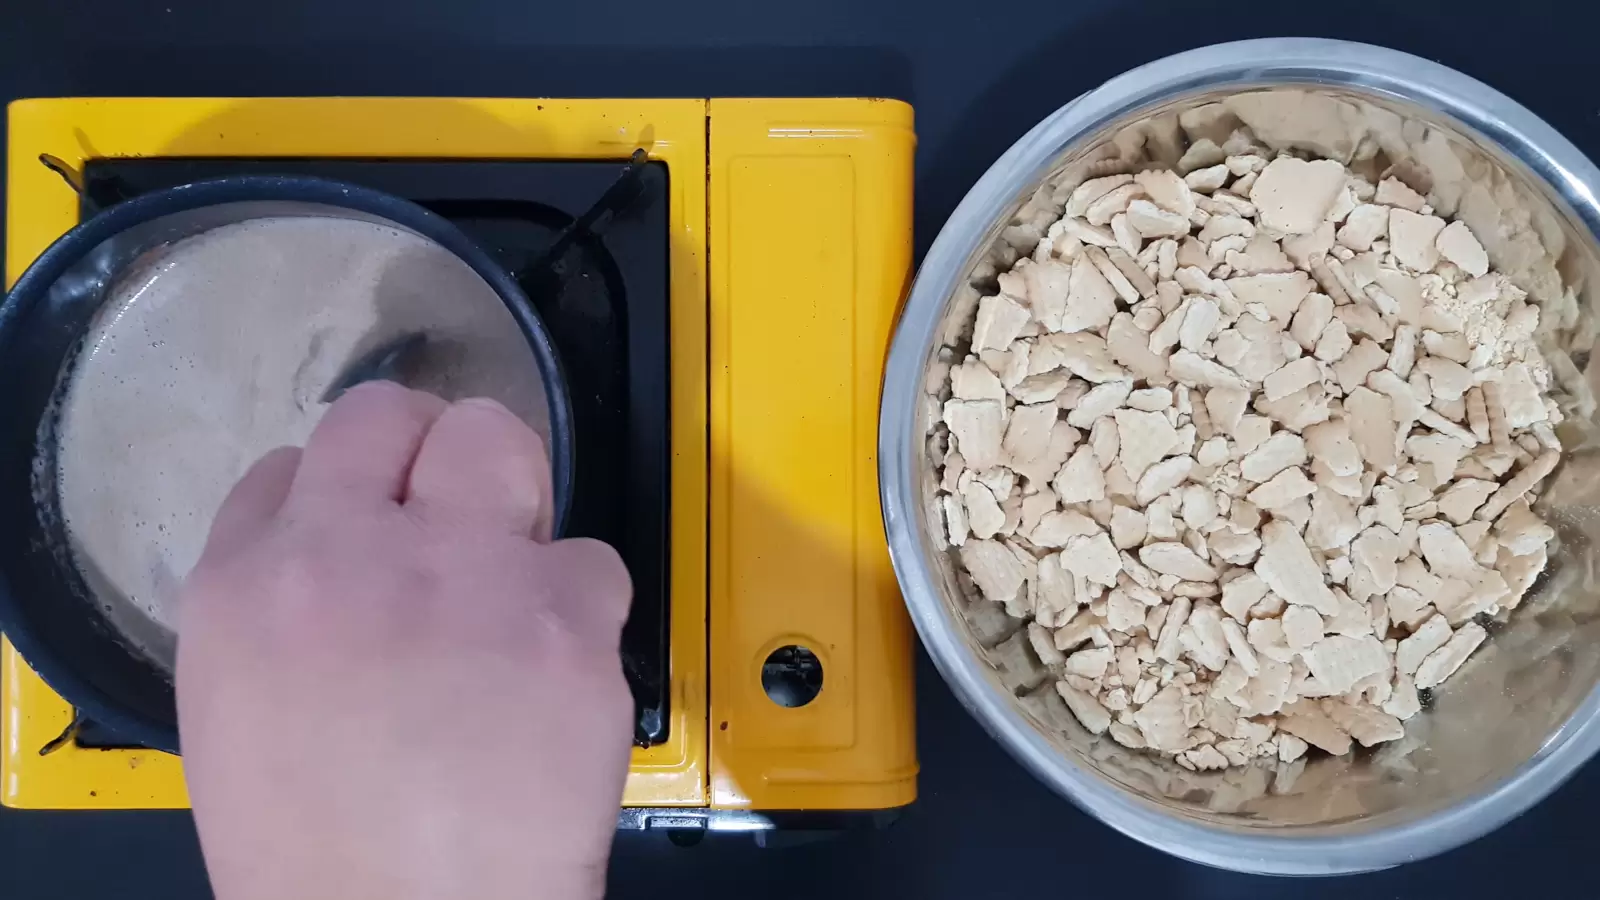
[(253, 501)]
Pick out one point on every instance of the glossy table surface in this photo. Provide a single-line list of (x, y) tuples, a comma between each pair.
[(979, 75)]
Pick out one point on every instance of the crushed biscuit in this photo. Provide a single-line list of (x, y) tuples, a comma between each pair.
[(1251, 445)]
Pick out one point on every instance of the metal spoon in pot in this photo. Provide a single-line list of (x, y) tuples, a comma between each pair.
[(385, 362)]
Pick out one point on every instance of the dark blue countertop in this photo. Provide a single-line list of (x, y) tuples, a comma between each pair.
[(979, 75)]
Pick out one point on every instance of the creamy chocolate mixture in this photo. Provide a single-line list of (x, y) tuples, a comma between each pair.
[(221, 349)]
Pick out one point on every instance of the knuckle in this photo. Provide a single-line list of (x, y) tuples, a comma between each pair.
[(493, 428)]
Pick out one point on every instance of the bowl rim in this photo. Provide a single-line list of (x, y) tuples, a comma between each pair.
[(1361, 68)]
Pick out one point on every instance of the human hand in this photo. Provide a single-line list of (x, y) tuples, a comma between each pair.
[(391, 683)]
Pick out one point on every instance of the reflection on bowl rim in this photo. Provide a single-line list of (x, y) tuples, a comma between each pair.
[(1381, 74)]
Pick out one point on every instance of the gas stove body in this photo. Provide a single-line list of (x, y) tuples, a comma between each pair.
[(723, 328)]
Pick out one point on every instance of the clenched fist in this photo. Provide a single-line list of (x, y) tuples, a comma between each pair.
[(392, 683)]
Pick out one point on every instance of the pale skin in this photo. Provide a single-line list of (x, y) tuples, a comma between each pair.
[(392, 683)]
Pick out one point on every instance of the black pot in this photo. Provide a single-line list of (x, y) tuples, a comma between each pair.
[(45, 608)]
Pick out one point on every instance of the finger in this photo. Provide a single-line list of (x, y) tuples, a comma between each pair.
[(482, 464), (253, 500), (590, 583), (365, 443)]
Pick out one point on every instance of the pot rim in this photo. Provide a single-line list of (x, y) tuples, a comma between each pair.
[(33, 286), (1493, 117)]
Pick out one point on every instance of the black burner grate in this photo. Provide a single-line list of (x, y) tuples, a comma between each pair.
[(605, 303)]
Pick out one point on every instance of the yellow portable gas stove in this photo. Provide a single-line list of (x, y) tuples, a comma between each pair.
[(724, 341)]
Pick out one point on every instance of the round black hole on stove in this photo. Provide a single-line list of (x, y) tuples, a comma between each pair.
[(792, 676)]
